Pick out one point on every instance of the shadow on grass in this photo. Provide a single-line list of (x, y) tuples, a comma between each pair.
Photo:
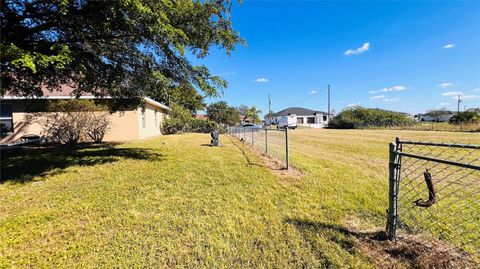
[(411, 251), (341, 236), (242, 150), (23, 164)]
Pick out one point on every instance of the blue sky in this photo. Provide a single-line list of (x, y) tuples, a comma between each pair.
[(406, 56)]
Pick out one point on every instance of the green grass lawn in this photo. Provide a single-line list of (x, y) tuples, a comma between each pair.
[(174, 202)]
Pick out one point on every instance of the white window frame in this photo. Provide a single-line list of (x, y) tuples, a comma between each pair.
[(144, 119)]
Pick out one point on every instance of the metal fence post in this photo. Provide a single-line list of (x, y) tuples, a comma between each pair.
[(392, 192), (286, 147), (252, 138), (266, 142)]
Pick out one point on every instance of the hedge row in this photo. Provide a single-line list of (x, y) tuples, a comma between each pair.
[(359, 117)]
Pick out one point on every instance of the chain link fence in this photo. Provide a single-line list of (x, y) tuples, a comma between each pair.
[(270, 142), (434, 196)]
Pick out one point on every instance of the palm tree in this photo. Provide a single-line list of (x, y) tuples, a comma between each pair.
[(254, 114)]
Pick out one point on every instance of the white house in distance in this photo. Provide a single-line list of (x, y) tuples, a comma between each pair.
[(305, 117), (427, 117)]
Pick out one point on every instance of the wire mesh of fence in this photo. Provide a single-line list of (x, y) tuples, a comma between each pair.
[(270, 142), (435, 196)]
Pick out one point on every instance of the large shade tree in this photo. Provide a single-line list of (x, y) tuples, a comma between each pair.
[(124, 48), (184, 95)]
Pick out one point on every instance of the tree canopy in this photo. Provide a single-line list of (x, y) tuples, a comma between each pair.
[(184, 95), (124, 49), (221, 113), (252, 112), (465, 117)]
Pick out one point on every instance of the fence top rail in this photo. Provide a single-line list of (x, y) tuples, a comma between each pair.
[(450, 145), (464, 165), (258, 129)]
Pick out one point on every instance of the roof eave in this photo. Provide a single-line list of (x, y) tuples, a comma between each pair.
[(155, 103), (65, 97)]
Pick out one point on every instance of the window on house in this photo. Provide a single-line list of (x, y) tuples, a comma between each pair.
[(156, 119), (310, 120), (324, 117), (299, 120), (143, 119), (6, 119)]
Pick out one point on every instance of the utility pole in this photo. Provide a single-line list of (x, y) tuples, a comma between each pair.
[(270, 110), (328, 113), (459, 100)]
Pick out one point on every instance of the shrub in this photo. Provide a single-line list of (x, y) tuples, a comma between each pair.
[(99, 126), (203, 126), (181, 121), (359, 117), (465, 117)]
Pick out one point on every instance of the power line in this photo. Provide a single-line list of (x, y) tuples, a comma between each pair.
[(296, 102)]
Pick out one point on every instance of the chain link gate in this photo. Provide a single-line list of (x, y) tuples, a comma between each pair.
[(271, 142), (434, 195)]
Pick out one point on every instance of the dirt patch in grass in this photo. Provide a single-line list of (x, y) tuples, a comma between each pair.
[(411, 252), (407, 251), (274, 165)]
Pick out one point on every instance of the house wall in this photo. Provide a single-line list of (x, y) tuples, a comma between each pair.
[(150, 127), (120, 129), (318, 123), (125, 125), (442, 118)]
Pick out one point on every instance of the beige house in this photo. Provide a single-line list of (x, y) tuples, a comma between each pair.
[(129, 124)]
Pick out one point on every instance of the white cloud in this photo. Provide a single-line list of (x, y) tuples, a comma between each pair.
[(449, 46), (444, 104), (389, 89), (451, 93), (476, 90), (312, 92), (445, 85), (362, 49), (377, 97), (261, 80), (383, 98), (467, 97), (352, 105), (390, 99)]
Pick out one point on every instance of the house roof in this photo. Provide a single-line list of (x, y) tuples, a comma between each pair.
[(300, 111), (66, 92), (201, 116)]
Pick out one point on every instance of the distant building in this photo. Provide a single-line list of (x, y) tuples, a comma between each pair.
[(245, 119), (305, 117), (430, 117), (201, 116)]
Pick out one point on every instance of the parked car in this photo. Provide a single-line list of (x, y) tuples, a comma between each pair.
[(252, 126), (289, 121)]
